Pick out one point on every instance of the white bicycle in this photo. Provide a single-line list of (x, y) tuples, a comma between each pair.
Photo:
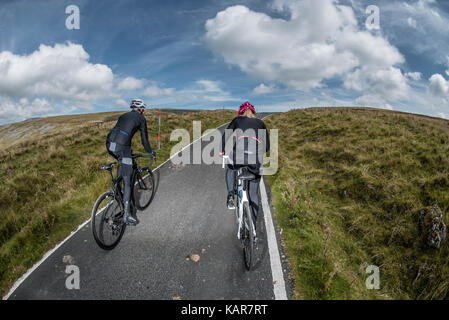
[(246, 231)]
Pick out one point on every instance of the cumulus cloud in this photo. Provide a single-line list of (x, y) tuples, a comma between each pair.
[(414, 75), (263, 89), (61, 71), (11, 110), (390, 84), (61, 75), (130, 83), (321, 40), (439, 86)]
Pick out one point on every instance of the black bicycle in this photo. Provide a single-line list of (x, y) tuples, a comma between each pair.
[(107, 222)]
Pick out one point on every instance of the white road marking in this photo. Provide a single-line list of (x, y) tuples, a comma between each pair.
[(275, 260), (37, 264)]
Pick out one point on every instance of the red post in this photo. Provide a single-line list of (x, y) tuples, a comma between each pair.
[(159, 132)]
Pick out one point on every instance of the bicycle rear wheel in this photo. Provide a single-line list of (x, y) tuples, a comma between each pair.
[(106, 221), (144, 188), (247, 236)]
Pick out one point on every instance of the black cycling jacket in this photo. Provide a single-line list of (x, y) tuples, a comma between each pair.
[(244, 123), (126, 127)]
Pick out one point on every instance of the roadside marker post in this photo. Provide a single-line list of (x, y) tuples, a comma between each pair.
[(159, 132)]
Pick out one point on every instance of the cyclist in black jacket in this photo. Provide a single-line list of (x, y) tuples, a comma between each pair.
[(118, 144), (251, 141)]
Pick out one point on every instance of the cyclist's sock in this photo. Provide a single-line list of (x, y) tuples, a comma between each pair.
[(128, 217), (127, 193)]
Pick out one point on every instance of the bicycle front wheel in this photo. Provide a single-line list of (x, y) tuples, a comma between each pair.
[(144, 188), (106, 221), (247, 236)]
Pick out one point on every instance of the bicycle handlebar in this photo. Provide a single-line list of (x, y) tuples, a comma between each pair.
[(142, 156), (134, 156)]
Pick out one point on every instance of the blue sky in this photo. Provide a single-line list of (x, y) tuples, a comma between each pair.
[(278, 54)]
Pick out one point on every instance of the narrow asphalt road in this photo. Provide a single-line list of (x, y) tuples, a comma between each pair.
[(187, 216)]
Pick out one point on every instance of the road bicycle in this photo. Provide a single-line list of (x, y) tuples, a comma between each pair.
[(246, 231), (107, 222)]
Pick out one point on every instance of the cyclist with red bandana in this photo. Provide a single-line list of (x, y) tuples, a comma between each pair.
[(250, 141)]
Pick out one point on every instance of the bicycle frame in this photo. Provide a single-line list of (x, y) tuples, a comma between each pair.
[(241, 189), (115, 179), (242, 197)]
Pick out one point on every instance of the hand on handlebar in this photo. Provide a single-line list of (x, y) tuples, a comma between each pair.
[(225, 159), (153, 154)]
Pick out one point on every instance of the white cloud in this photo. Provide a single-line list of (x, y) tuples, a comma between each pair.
[(371, 100), (447, 64), (204, 91), (155, 91), (130, 83), (320, 41), (443, 115), (390, 84), (430, 23), (412, 23), (48, 77), (209, 86), (62, 71), (438, 87), (200, 91), (11, 110), (121, 103), (414, 75), (263, 89)]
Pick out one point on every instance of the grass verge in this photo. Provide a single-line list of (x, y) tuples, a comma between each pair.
[(347, 194)]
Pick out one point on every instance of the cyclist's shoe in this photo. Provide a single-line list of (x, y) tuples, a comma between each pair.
[(230, 201), (255, 240), (128, 216), (134, 212)]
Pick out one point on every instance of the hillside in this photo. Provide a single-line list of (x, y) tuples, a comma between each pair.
[(347, 195), (49, 177)]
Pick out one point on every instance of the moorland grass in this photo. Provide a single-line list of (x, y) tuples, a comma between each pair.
[(347, 194)]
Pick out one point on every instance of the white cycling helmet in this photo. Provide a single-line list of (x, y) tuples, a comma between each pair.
[(137, 103)]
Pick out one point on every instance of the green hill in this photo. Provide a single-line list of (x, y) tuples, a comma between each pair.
[(347, 194), (49, 177)]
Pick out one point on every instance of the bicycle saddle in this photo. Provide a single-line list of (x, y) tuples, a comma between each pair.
[(246, 175), (107, 166)]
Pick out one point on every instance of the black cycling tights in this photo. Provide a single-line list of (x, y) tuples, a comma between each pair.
[(253, 190), (125, 169)]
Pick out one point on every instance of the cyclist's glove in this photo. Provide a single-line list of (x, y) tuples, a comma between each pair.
[(153, 154)]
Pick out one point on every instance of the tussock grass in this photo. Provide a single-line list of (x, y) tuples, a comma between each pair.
[(49, 182), (347, 195)]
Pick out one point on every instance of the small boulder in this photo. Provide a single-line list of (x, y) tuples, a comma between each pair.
[(432, 226)]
